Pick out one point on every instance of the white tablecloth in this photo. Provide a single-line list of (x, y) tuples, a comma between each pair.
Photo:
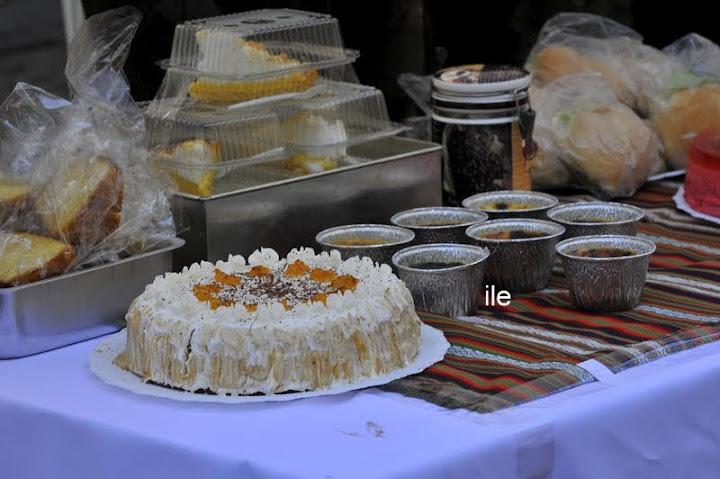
[(660, 420)]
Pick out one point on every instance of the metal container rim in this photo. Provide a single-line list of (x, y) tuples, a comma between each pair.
[(561, 247), (559, 230), (409, 235), (553, 201), (558, 210), (481, 215), (485, 254)]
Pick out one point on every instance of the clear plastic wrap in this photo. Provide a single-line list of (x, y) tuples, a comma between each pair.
[(258, 42), (604, 145), (206, 150), (90, 196), (256, 54), (571, 43), (687, 98), (547, 170), (318, 131)]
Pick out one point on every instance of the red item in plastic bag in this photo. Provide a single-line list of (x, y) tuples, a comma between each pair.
[(702, 182)]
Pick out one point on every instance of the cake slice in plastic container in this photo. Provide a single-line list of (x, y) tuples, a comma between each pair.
[(259, 53), (317, 132), (207, 151), (225, 92)]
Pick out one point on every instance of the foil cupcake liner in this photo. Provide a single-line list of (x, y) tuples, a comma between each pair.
[(453, 291), (518, 265), (427, 223), (597, 218), (539, 203), (393, 238), (606, 284)]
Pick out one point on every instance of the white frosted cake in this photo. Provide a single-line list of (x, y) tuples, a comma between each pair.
[(271, 325)]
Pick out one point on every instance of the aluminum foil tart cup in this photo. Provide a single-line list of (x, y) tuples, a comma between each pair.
[(597, 218), (512, 204), (438, 224), (444, 278), (378, 242), (605, 284), (518, 265)]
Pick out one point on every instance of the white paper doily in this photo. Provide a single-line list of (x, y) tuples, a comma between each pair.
[(683, 205), (433, 346)]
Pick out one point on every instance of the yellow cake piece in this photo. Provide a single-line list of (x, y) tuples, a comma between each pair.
[(25, 258), (221, 92), (82, 203), (14, 197), (228, 54), (305, 164), (191, 177)]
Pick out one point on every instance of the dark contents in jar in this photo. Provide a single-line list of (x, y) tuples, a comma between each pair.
[(602, 253), (478, 158), (436, 265), (513, 234)]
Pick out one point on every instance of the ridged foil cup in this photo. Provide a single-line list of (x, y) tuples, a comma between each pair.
[(597, 218), (393, 238), (538, 203), (452, 291), (438, 224), (518, 265), (606, 284)]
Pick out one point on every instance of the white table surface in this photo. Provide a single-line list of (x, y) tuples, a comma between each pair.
[(658, 420)]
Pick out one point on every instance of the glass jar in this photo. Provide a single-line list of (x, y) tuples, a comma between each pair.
[(482, 117)]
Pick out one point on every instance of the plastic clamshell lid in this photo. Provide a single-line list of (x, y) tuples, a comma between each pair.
[(199, 136), (257, 42), (342, 115)]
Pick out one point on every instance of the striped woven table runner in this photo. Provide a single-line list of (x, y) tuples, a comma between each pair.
[(531, 348)]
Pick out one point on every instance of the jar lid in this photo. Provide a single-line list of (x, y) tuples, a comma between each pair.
[(481, 79)]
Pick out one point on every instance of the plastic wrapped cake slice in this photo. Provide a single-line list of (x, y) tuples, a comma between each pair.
[(203, 149), (249, 55), (318, 131)]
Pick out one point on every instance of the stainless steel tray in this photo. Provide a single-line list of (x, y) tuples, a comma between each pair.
[(396, 174), (76, 306)]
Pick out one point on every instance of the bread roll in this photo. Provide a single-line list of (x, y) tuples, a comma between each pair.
[(689, 113), (555, 61), (610, 149)]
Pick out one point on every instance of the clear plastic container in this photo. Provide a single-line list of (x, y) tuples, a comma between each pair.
[(317, 131), (234, 93), (257, 43), (206, 150)]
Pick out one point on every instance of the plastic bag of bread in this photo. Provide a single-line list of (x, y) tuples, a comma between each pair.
[(547, 170), (571, 43), (687, 100), (604, 145), (75, 187)]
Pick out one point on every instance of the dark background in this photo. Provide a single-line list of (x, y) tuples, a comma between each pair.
[(394, 36)]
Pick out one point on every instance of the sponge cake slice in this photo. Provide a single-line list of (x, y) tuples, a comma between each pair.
[(25, 258)]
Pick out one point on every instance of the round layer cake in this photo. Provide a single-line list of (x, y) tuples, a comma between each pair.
[(270, 325)]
